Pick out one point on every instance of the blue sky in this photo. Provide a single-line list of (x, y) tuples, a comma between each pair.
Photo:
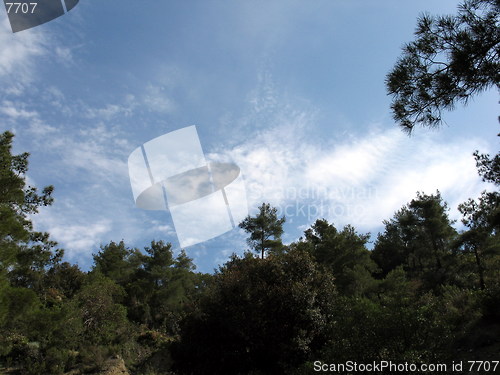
[(291, 91)]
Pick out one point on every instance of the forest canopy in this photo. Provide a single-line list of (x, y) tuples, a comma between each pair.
[(424, 293)]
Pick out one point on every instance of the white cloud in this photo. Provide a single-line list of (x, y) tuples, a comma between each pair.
[(360, 182), (158, 227), (64, 54), (353, 162), (41, 129), (100, 151), (108, 112), (80, 238), (33, 123), (18, 51), (13, 111), (86, 217), (157, 100), (77, 232)]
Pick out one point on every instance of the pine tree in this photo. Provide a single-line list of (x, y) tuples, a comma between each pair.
[(265, 229), (452, 59)]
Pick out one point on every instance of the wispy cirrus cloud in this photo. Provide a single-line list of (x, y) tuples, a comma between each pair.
[(361, 182), (19, 52), (157, 99), (15, 111), (358, 178), (107, 112)]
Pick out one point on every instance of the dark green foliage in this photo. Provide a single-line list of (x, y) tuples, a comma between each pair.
[(402, 325), (63, 280), (344, 254), (424, 294), (17, 200), (451, 59), (419, 238), (117, 262), (32, 262), (260, 315), (482, 218), (19, 305), (265, 229), (25, 256), (482, 239), (488, 168), (160, 286), (16, 230), (103, 315)]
